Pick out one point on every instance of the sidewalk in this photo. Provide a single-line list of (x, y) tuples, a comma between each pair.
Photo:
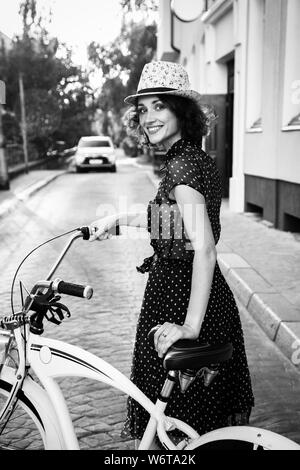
[(260, 263), (23, 186), (262, 267)]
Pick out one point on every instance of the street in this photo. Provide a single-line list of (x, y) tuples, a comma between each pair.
[(105, 325)]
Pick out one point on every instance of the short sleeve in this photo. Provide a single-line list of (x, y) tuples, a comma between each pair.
[(187, 172)]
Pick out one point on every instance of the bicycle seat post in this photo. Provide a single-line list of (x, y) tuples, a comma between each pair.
[(161, 404), (168, 386)]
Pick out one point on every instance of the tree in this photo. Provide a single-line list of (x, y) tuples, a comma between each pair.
[(121, 63), (57, 92), (145, 5)]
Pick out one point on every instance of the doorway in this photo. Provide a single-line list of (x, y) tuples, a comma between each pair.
[(219, 144), (229, 123)]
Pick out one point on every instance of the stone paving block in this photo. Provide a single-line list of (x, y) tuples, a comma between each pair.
[(270, 309), (223, 247), (98, 428), (265, 317), (228, 261), (288, 340), (95, 442), (245, 282), (281, 306), (232, 260), (120, 445)]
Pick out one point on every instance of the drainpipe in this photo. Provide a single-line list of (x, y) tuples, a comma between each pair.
[(23, 121), (172, 33), (4, 180)]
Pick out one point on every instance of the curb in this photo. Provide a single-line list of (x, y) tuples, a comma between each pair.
[(10, 205), (272, 312)]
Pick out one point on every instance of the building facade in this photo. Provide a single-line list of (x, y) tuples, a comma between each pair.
[(5, 42), (242, 56)]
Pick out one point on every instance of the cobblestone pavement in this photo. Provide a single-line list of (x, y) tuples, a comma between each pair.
[(105, 325)]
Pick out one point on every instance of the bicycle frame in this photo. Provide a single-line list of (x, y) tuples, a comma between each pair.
[(50, 359)]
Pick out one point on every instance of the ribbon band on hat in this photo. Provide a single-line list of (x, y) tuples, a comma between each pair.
[(154, 90)]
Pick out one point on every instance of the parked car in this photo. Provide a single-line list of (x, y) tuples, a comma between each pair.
[(57, 148), (95, 152)]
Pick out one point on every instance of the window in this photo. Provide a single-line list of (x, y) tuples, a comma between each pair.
[(94, 143), (291, 104), (255, 64)]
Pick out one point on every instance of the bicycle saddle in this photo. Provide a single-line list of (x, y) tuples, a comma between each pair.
[(189, 354)]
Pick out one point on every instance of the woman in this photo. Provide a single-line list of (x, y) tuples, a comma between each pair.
[(186, 294)]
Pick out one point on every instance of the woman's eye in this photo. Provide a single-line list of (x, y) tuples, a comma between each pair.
[(141, 110), (159, 106)]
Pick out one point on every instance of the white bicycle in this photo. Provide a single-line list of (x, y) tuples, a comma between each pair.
[(25, 353)]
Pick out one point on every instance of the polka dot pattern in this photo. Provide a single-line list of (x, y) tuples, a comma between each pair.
[(228, 400)]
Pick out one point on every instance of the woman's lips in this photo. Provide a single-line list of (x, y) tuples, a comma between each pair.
[(153, 129)]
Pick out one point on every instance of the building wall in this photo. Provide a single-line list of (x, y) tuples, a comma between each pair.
[(263, 37), (7, 41), (272, 155)]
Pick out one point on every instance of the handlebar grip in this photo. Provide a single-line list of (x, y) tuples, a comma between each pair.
[(76, 290)]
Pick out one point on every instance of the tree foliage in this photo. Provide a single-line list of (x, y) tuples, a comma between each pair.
[(121, 63), (146, 5), (57, 92)]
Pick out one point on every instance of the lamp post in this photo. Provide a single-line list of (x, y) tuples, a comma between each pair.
[(23, 121), (4, 180)]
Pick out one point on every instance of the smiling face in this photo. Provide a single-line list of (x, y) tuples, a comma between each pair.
[(158, 122)]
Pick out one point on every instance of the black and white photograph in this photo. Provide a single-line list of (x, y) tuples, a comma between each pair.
[(150, 227)]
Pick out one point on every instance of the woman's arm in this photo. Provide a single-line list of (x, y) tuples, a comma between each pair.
[(99, 228), (133, 219), (198, 229)]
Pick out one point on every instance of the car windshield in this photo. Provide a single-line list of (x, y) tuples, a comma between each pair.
[(94, 143)]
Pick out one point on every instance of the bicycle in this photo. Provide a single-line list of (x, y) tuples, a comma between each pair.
[(25, 351)]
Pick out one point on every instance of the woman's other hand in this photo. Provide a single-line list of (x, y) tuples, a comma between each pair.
[(168, 334), (99, 229)]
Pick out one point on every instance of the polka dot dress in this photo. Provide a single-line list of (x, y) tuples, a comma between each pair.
[(229, 399)]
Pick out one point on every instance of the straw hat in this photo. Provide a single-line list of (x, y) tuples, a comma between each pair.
[(164, 78)]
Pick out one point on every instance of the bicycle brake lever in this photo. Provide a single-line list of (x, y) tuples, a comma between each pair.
[(57, 309)]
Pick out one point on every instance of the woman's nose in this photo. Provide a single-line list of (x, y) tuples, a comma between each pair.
[(149, 116)]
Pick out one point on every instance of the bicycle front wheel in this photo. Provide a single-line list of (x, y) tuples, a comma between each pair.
[(32, 425), (242, 438)]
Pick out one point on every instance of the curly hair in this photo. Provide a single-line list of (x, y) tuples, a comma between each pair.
[(194, 121)]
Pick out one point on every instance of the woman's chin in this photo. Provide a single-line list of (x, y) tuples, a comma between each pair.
[(156, 139)]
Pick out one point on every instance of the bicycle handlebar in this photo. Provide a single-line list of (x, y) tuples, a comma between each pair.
[(86, 231), (59, 286)]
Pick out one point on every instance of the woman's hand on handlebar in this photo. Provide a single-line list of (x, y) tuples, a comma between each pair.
[(102, 229)]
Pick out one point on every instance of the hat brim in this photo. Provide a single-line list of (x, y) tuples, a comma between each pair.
[(191, 94)]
